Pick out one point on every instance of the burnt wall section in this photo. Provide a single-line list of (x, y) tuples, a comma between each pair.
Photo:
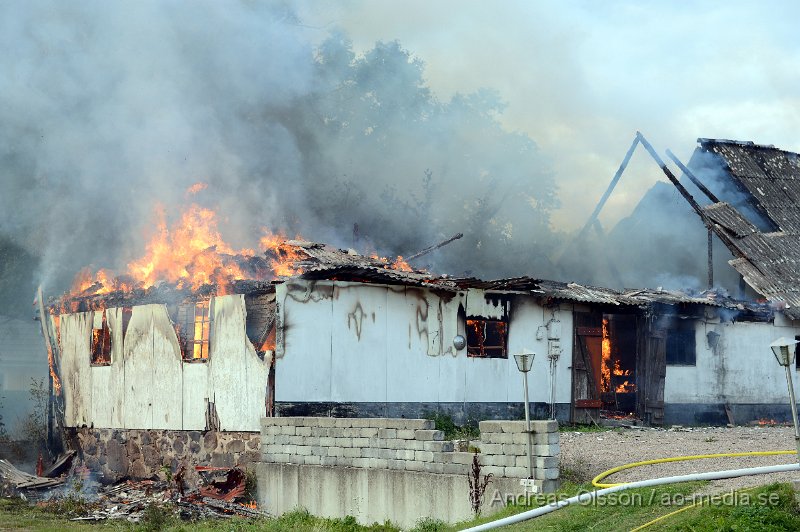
[(138, 454), (148, 385), (260, 319), (334, 336), (462, 413)]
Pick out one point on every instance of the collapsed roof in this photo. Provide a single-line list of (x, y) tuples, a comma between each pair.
[(318, 261), (760, 221)]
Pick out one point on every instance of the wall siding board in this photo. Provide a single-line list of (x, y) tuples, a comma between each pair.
[(139, 375), (116, 380), (68, 360), (102, 396), (257, 372), (167, 396), (303, 364), (358, 343), (195, 391), (410, 371), (741, 369), (82, 384), (238, 376)]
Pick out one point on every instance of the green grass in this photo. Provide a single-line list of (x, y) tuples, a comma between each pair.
[(16, 514), (445, 423), (768, 508)]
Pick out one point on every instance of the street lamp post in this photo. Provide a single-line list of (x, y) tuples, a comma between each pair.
[(783, 349), (524, 363)]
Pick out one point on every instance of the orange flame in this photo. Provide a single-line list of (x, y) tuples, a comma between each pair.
[(401, 265), (192, 253), (51, 364), (269, 342), (197, 187), (605, 369), (284, 255)]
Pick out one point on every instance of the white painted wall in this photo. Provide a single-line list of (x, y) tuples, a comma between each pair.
[(149, 386), (741, 370), (352, 342)]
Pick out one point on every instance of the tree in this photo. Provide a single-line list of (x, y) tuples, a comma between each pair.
[(383, 152)]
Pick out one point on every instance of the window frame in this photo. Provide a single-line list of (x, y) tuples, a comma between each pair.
[(685, 333), (481, 350), (104, 331), (188, 332)]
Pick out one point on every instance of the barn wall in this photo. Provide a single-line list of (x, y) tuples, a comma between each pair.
[(741, 371), (148, 385), (388, 350)]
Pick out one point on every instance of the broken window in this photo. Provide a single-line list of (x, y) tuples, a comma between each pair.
[(681, 349), (487, 338), (194, 330), (796, 353), (101, 344), (260, 321)]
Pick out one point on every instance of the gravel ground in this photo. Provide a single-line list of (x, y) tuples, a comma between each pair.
[(586, 454)]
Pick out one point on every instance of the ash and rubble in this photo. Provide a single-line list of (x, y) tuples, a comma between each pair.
[(219, 492)]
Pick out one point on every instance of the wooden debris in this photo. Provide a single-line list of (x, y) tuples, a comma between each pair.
[(21, 480)]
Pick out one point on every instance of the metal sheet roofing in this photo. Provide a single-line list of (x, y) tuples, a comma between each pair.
[(768, 261)]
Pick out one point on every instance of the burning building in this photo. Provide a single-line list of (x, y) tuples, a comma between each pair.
[(187, 352), (189, 372)]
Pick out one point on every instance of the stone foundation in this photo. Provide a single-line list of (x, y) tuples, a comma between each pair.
[(114, 454)]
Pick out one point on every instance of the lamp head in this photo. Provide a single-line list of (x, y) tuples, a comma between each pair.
[(524, 361), (783, 349)]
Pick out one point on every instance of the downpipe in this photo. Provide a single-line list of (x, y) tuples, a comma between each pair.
[(590, 496)]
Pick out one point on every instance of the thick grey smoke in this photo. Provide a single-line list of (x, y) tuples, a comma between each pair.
[(109, 109)]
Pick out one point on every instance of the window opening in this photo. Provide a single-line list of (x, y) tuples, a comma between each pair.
[(101, 344), (487, 338)]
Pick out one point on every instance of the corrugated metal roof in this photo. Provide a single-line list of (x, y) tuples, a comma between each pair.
[(729, 218), (769, 262)]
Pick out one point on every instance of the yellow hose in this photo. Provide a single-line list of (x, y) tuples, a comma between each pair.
[(596, 480), (687, 507)]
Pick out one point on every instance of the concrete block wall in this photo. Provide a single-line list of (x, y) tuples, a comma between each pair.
[(503, 446), (411, 445)]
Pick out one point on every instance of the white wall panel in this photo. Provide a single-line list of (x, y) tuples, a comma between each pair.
[(359, 343), (167, 394), (303, 364), (139, 376)]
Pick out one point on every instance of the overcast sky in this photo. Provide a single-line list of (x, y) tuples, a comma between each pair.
[(582, 77)]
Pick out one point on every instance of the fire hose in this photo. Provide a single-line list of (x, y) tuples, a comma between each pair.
[(611, 488)]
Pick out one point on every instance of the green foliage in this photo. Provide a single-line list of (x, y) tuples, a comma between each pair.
[(251, 485), (157, 517), (783, 515), (34, 427), (427, 524), (72, 505), (576, 471), (445, 423), (426, 168)]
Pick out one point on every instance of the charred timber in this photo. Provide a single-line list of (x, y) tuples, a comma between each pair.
[(694, 179), (160, 294), (435, 247), (664, 168)]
